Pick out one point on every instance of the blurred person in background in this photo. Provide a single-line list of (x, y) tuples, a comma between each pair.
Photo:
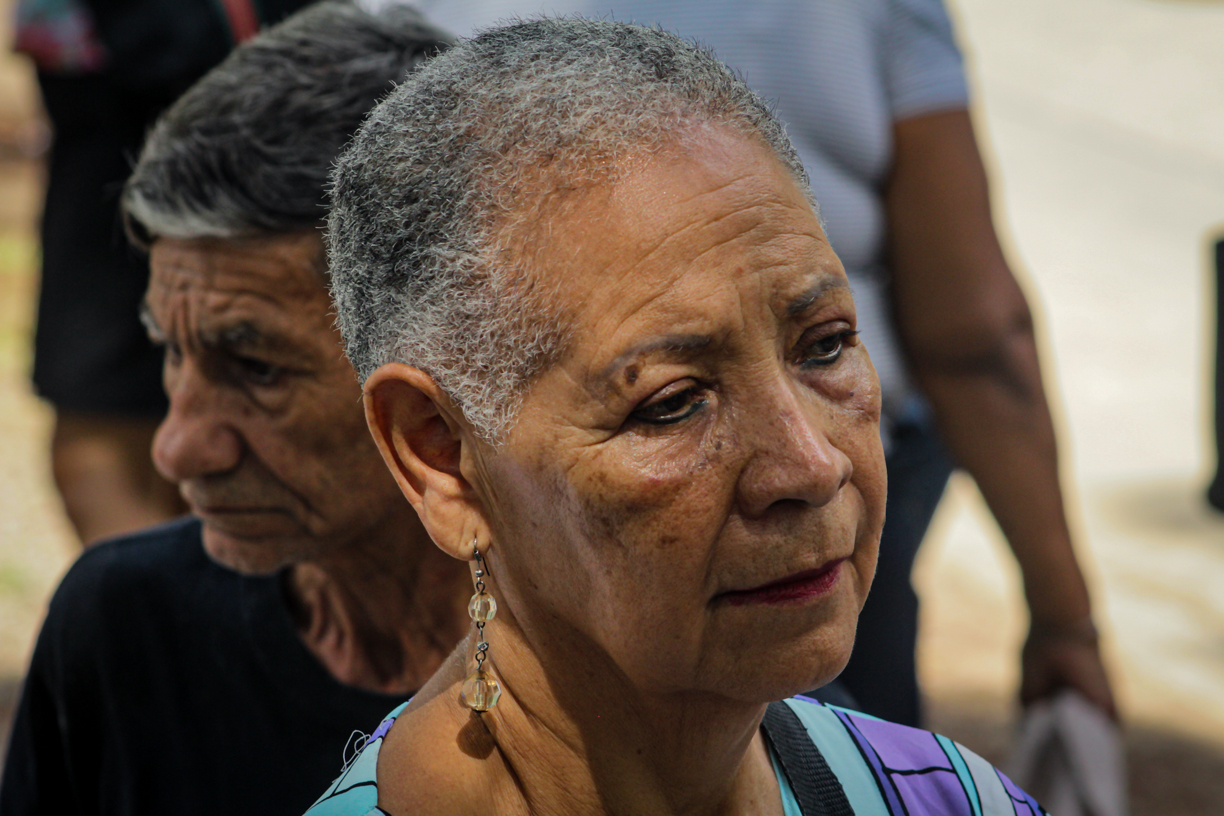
[(105, 71), (217, 664), (873, 94)]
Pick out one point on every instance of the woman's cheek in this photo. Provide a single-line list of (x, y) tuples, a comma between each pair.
[(642, 491)]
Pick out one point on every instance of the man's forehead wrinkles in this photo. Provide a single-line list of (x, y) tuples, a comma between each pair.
[(270, 279), (220, 299), (222, 320)]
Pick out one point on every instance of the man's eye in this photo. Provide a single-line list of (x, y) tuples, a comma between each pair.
[(259, 372), (826, 350), (671, 408)]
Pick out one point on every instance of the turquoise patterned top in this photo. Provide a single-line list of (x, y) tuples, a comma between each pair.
[(885, 769)]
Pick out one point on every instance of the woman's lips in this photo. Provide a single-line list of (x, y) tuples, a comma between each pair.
[(798, 587)]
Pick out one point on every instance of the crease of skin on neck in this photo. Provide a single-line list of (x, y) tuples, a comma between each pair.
[(380, 620)]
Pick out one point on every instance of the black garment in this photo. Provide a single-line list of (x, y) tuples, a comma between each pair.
[(91, 353), (163, 683), (882, 675)]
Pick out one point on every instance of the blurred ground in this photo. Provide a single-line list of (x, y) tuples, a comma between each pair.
[(1104, 121)]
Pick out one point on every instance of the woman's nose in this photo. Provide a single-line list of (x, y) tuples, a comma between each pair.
[(197, 438), (793, 459)]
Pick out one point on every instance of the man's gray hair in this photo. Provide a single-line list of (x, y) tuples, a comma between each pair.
[(441, 189), (249, 148)]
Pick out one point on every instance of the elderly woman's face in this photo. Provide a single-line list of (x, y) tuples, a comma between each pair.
[(696, 489)]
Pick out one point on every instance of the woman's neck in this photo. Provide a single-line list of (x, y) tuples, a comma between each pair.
[(575, 738), (384, 613)]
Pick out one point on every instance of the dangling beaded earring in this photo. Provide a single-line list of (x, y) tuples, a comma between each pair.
[(480, 691)]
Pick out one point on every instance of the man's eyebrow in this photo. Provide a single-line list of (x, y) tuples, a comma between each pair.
[(680, 344), (242, 334), (804, 301), (244, 337)]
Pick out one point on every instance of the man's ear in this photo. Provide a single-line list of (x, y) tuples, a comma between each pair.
[(421, 434)]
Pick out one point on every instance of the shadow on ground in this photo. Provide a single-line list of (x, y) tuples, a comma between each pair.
[(1170, 774)]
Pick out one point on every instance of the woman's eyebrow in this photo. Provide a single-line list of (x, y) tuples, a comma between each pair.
[(804, 301), (681, 344)]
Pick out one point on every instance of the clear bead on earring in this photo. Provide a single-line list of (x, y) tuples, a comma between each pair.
[(480, 690)]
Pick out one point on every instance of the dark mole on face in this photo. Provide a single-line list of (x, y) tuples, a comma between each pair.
[(631, 374)]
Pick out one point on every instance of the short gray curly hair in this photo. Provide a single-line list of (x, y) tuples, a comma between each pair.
[(449, 174)]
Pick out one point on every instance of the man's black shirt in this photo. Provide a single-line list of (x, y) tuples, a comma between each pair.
[(163, 683)]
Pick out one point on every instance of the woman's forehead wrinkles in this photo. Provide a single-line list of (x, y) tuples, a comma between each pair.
[(751, 226)]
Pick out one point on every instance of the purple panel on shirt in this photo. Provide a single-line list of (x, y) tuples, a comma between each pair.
[(902, 748), (1025, 801), (891, 797), (938, 793)]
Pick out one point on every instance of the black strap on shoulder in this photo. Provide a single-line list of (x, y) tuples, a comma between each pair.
[(816, 787)]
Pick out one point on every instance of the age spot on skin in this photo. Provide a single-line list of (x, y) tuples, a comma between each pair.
[(631, 374), (668, 541)]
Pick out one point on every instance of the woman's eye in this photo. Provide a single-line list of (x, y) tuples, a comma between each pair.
[(671, 408), (826, 350)]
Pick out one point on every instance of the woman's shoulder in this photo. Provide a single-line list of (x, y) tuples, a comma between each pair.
[(430, 740), (355, 791), (885, 768)]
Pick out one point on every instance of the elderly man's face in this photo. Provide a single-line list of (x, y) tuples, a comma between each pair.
[(697, 490), (265, 435)]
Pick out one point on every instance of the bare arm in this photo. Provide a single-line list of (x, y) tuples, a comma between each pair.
[(968, 333)]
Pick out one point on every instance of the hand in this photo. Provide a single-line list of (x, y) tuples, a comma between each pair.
[(1058, 658)]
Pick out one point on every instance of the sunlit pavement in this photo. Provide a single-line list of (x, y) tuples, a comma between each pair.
[(1104, 121)]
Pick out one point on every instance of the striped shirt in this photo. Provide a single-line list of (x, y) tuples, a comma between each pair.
[(883, 769)]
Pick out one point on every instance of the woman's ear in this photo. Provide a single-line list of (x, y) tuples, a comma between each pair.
[(420, 433)]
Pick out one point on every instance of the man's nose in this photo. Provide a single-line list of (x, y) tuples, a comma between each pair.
[(197, 437), (794, 461)]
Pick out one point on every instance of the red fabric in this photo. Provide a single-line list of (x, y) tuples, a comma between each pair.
[(243, 21)]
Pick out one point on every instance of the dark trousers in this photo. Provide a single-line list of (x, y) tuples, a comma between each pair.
[(882, 676)]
